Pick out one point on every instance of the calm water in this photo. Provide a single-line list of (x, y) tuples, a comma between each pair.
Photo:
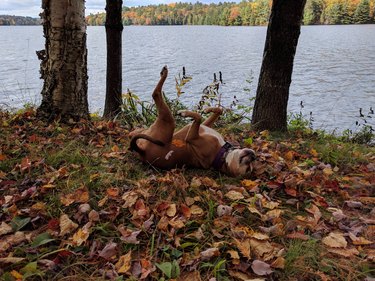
[(334, 70)]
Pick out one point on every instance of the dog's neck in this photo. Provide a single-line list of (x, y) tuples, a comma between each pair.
[(219, 160)]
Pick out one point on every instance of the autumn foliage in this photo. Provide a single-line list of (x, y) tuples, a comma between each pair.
[(244, 13), (75, 204)]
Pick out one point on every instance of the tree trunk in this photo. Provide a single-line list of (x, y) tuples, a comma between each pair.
[(270, 109), (64, 60), (113, 27)]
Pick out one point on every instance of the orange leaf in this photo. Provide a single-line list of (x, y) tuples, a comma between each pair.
[(25, 163), (178, 143), (113, 192)]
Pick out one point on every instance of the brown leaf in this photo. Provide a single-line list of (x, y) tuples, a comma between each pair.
[(209, 253), (113, 192), (234, 195), (335, 240), (298, 235), (243, 246), (5, 229), (278, 263), (347, 253), (11, 260), (359, 240), (185, 210), (190, 276), (262, 249), (108, 251), (261, 268), (128, 235), (130, 198)]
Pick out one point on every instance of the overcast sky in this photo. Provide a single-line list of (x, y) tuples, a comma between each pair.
[(32, 7)]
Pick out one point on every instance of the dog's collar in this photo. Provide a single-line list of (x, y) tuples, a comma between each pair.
[(220, 156)]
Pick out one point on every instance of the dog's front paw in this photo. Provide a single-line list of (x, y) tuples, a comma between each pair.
[(164, 72)]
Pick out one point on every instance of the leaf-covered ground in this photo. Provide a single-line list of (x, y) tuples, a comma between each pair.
[(75, 204)]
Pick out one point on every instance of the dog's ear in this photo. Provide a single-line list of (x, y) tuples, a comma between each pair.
[(136, 148)]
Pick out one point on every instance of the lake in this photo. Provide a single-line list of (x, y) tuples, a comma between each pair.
[(334, 69)]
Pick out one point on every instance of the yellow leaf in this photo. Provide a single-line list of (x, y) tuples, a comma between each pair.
[(265, 133), (196, 210), (124, 263), (16, 274), (171, 210), (249, 183), (313, 152), (327, 171), (289, 155), (80, 236), (115, 148), (233, 254)]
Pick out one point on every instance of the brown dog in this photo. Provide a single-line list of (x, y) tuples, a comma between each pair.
[(195, 145)]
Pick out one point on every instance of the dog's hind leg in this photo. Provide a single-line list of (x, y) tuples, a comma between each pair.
[(164, 125), (193, 131), (216, 112)]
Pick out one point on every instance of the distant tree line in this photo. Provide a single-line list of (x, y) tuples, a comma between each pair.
[(18, 20), (254, 12)]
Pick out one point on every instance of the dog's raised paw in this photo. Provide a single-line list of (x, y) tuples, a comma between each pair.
[(164, 71), (217, 110)]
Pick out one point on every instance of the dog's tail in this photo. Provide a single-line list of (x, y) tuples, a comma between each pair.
[(135, 147)]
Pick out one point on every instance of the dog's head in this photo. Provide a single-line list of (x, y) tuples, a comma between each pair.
[(238, 161)]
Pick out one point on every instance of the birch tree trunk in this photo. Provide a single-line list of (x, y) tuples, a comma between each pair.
[(64, 60), (113, 27), (270, 108)]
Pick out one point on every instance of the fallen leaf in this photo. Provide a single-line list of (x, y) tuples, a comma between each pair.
[(196, 210), (234, 195), (66, 225), (81, 236), (108, 251), (11, 260), (5, 228), (209, 253), (298, 235), (190, 276), (185, 210), (335, 240), (171, 210), (359, 240), (278, 263), (130, 198), (261, 268), (224, 210), (347, 253), (124, 263), (243, 246)]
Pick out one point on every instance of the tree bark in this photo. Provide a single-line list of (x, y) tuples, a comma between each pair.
[(270, 108), (113, 27), (64, 60)]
